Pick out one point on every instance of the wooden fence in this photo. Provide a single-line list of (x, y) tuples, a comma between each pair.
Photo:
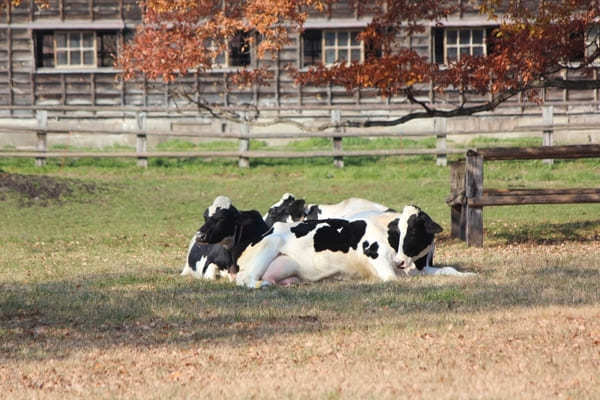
[(244, 153), (468, 196)]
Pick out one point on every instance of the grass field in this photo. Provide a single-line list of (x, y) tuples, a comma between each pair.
[(92, 304)]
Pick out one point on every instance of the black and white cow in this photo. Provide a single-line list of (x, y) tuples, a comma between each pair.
[(380, 246), (210, 260), (290, 209), (245, 228)]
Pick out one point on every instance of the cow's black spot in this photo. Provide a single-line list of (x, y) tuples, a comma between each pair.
[(297, 210), (390, 210), (394, 234), (421, 262), (370, 251), (303, 228), (420, 232), (313, 212), (338, 235), (214, 253), (289, 207)]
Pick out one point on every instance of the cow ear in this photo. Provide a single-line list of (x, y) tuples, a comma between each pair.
[(227, 242), (432, 227), (205, 215), (297, 209)]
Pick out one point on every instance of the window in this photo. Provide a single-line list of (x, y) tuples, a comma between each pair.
[(453, 43), (76, 49), (238, 53), (463, 42), (331, 46)]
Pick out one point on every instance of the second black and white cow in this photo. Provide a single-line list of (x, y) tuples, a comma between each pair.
[(290, 209), (210, 260)]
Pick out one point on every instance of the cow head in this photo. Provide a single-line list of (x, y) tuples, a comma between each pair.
[(218, 226), (412, 236), (218, 203), (288, 209)]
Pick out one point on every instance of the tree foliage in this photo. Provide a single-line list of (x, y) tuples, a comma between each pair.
[(533, 43)]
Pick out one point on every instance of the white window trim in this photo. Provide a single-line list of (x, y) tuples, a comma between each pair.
[(81, 48), (337, 48), (457, 45)]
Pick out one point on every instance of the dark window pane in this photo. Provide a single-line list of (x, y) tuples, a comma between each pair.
[(88, 58), (61, 58), (451, 37), (478, 51), (88, 39), (239, 50), (107, 48), (311, 44), (438, 35), (329, 38), (61, 40), (477, 36), (342, 38), (355, 56), (44, 49), (329, 56), (343, 55), (465, 36), (451, 54), (74, 40), (75, 57)]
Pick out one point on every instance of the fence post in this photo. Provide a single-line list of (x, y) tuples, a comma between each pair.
[(547, 136), (439, 128), (244, 161), (42, 137), (474, 189), (141, 139), (457, 192), (336, 118)]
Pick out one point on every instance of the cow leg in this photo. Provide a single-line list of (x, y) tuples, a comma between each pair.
[(439, 271), (282, 271), (255, 261)]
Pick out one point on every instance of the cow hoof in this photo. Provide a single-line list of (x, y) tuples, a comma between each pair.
[(262, 284)]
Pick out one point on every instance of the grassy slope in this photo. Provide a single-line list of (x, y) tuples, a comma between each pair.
[(91, 303)]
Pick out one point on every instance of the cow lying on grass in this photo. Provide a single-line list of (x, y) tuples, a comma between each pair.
[(210, 260), (380, 246)]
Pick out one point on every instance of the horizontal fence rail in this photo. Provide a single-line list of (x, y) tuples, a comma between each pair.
[(468, 196), (244, 154)]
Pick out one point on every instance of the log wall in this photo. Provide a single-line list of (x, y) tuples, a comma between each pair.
[(21, 83)]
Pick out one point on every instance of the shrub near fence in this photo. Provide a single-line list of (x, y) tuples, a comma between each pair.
[(244, 154)]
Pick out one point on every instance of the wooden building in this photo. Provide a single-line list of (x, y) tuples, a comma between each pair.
[(62, 56)]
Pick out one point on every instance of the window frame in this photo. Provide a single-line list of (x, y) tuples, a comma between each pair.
[(226, 55), (105, 42), (336, 47), (81, 49), (458, 45)]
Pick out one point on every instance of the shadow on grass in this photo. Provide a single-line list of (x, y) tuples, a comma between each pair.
[(45, 320), (549, 233)]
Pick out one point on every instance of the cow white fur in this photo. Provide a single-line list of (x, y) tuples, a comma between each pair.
[(380, 246)]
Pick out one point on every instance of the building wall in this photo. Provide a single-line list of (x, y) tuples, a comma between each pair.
[(23, 83)]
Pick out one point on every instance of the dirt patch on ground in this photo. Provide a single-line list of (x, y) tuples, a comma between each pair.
[(42, 189)]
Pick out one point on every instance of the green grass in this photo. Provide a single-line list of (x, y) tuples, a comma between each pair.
[(91, 282)]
